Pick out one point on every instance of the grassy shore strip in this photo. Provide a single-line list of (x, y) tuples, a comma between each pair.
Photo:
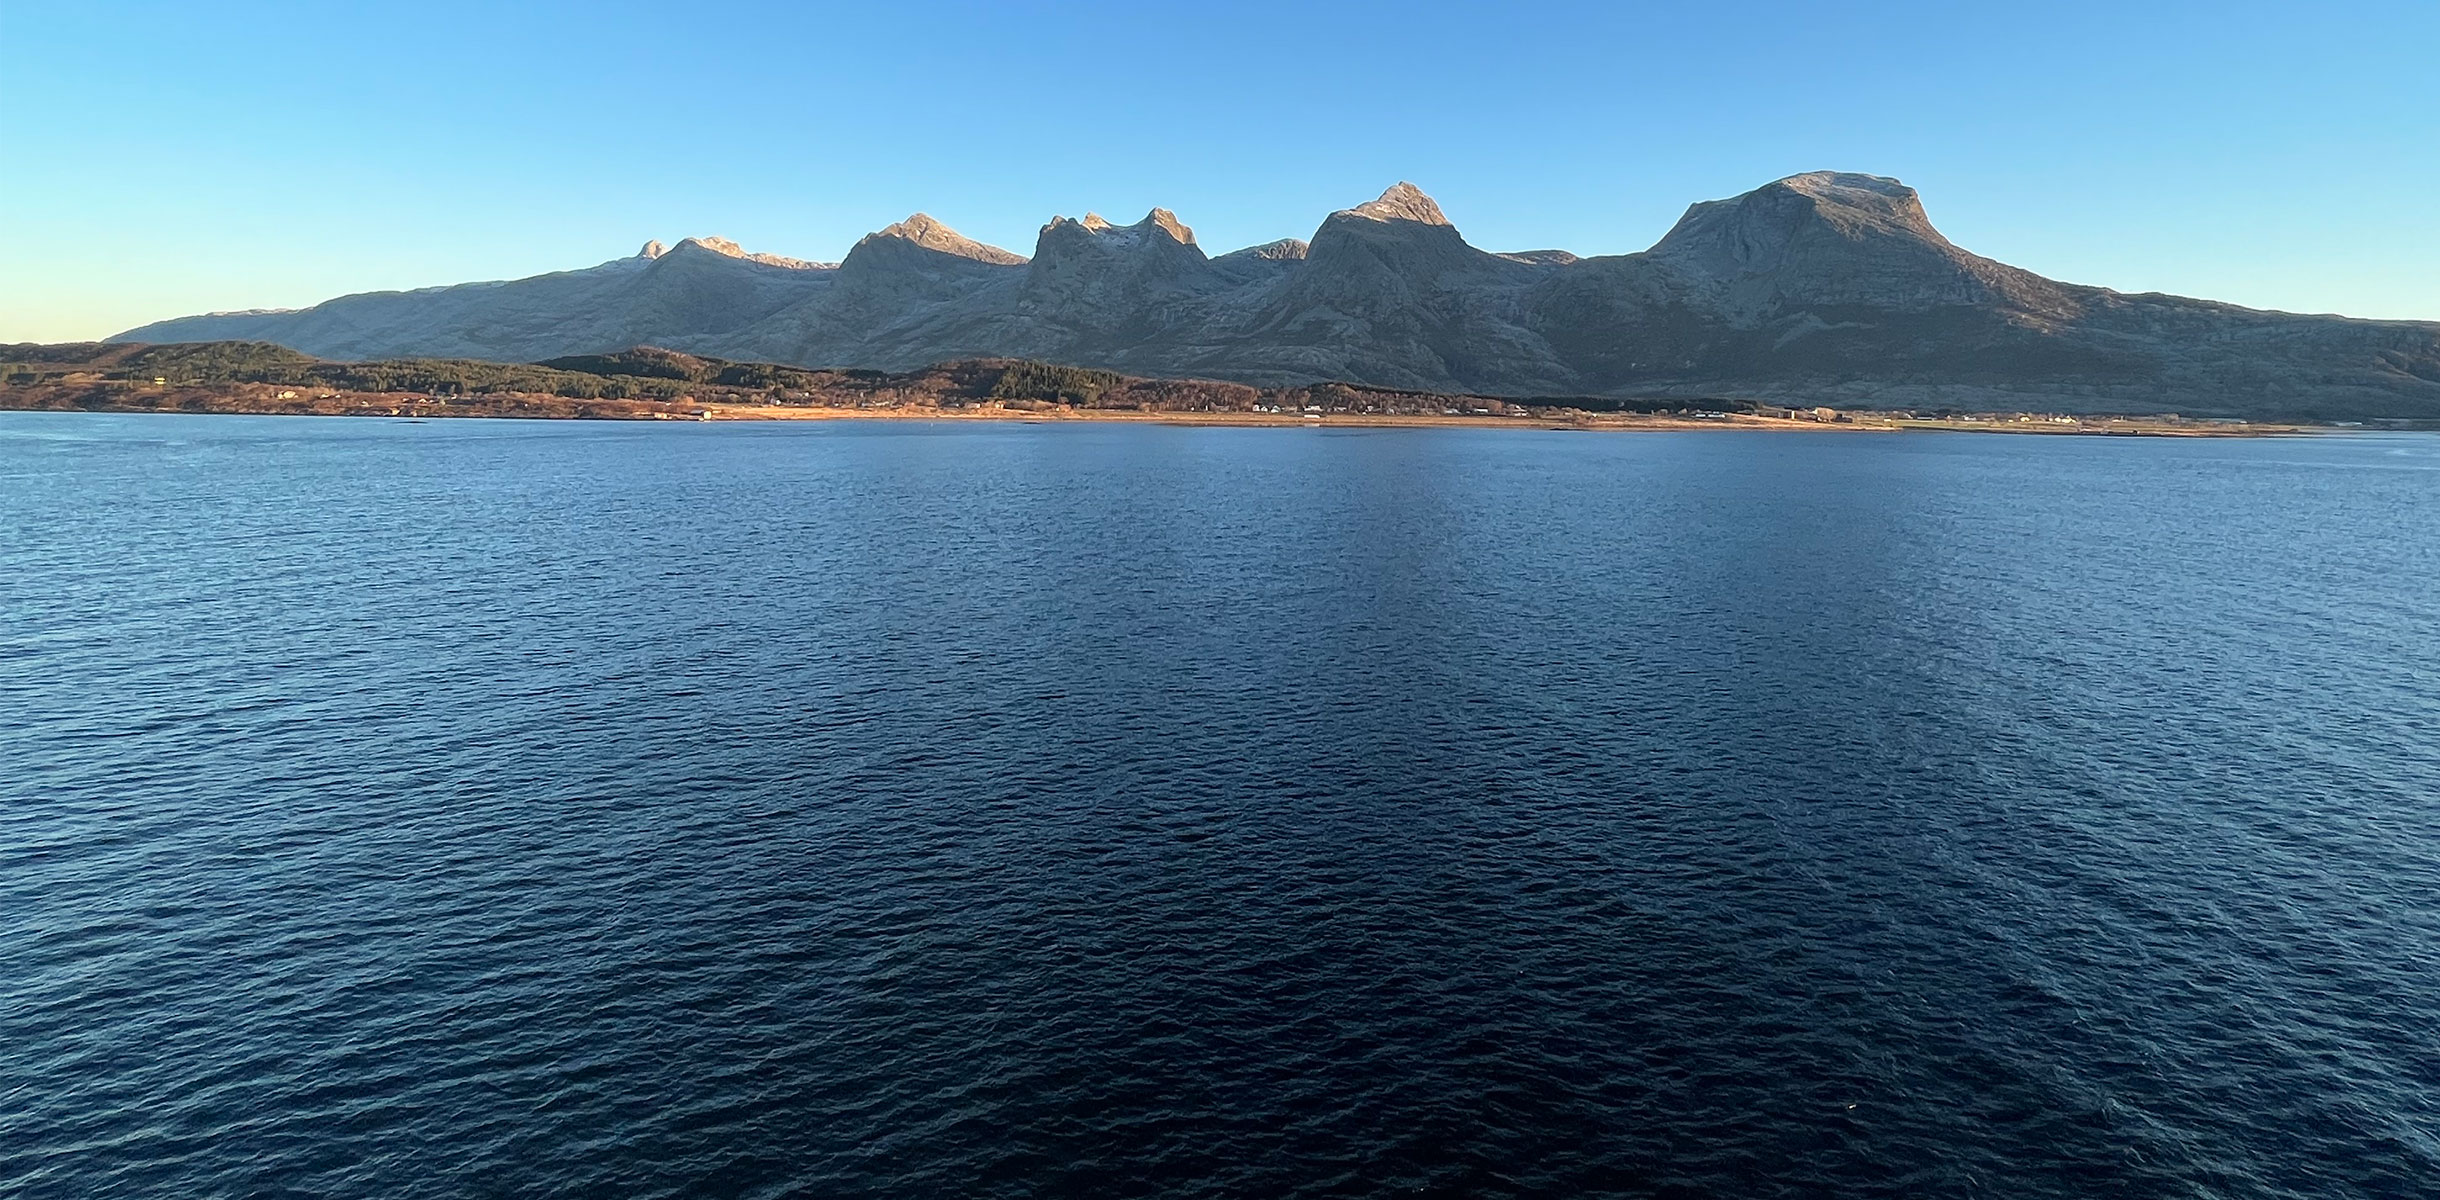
[(263, 400), (646, 383)]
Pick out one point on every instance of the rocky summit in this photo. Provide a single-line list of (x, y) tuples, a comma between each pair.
[(1827, 287)]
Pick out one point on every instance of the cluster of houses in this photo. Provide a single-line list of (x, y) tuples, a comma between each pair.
[(1838, 416), (1824, 415)]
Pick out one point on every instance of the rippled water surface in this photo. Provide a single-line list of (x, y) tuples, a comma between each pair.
[(892, 809)]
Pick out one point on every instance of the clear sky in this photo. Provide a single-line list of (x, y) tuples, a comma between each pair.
[(158, 159)]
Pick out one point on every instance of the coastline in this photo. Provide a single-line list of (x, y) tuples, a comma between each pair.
[(255, 400)]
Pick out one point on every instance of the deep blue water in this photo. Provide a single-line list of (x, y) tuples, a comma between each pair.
[(509, 809)]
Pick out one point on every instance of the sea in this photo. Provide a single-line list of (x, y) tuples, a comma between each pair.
[(982, 809)]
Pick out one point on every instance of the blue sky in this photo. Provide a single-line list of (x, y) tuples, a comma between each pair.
[(159, 159)]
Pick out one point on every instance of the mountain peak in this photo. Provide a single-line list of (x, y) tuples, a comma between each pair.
[(1839, 238), (919, 228), (923, 231), (1402, 202), (1283, 250), (1090, 256), (1160, 219), (1848, 184), (728, 249), (1167, 222), (652, 249), (1753, 230), (1851, 200)]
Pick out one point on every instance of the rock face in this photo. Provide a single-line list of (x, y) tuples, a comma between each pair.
[(1828, 287)]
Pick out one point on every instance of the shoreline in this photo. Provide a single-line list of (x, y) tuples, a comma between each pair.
[(393, 406), (1599, 423)]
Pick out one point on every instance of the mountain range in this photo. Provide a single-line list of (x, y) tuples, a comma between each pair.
[(1828, 287)]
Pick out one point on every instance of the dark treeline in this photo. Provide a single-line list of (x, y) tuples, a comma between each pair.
[(205, 363), (1057, 385)]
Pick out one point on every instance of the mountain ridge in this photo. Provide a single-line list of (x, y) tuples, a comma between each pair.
[(1828, 286)]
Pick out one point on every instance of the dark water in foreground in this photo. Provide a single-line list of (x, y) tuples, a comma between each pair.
[(515, 809)]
